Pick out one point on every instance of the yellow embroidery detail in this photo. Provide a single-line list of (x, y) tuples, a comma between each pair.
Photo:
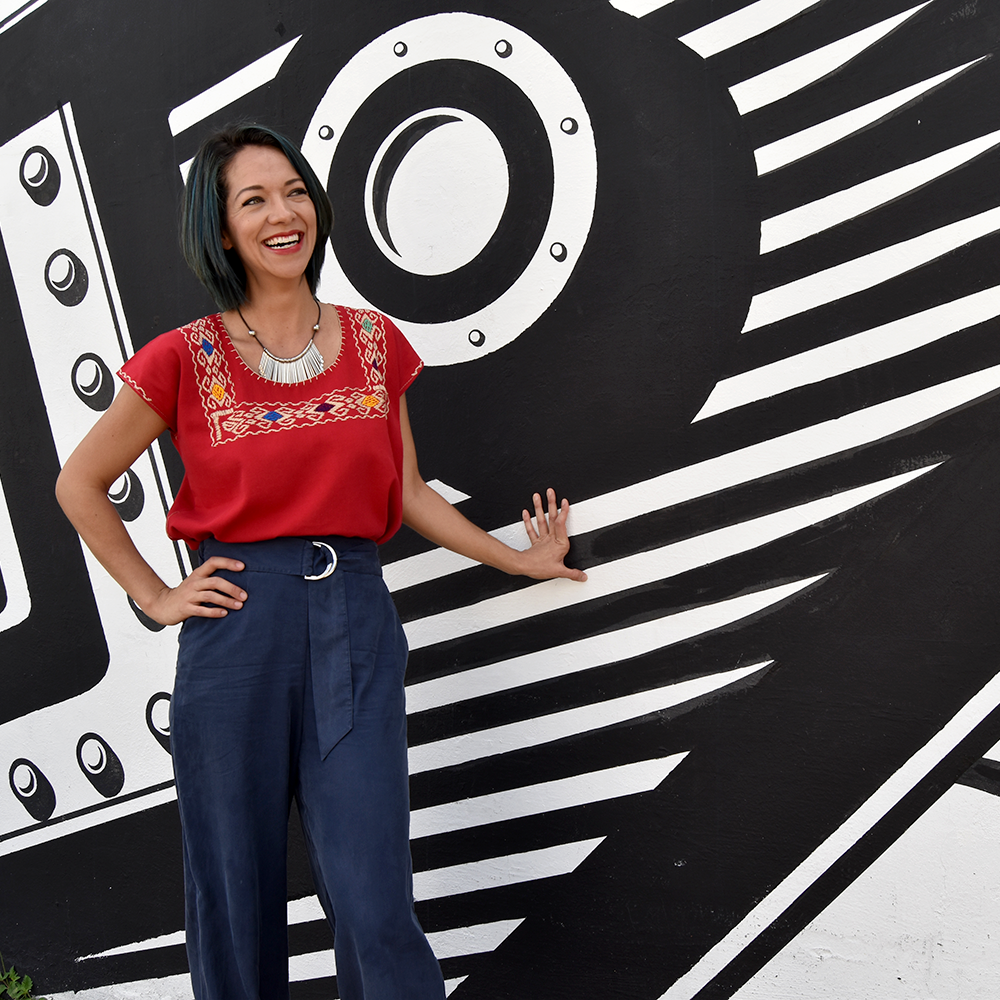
[(218, 391), (370, 401)]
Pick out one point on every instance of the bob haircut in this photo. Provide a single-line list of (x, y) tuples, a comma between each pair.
[(203, 211)]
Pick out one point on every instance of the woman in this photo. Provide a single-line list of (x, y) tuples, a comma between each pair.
[(291, 421)]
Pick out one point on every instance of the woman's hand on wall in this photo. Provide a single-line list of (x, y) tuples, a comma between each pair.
[(549, 541)]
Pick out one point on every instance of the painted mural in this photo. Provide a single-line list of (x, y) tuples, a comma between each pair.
[(724, 273)]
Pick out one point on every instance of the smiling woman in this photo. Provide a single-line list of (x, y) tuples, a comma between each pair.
[(302, 696)]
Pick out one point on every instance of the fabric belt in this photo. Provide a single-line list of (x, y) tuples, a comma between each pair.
[(323, 563)]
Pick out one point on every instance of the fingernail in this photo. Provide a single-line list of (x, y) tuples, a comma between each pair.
[(238, 605), (243, 596)]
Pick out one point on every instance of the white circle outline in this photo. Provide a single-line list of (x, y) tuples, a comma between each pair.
[(539, 75)]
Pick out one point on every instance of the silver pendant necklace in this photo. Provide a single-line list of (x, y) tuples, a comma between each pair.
[(307, 364)]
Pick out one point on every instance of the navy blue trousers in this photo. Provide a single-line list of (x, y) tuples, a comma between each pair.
[(299, 693)]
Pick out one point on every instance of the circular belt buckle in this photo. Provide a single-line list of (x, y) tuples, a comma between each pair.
[(330, 566)]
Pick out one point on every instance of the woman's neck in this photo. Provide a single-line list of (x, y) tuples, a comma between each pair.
[(283, 316)]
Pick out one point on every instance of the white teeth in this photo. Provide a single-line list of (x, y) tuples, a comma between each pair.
[(282, 241)]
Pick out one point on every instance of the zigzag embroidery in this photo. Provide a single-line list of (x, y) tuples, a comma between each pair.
[(230, 419)]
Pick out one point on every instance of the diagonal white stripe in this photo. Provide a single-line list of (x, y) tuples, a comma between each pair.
[(810, 140), (255, 75), (493, 873), (744, 24), (832, 849), (642, 568), (779, 82), (866, 348), (593, 651), (639, 8), (549, 796), (807, 220), (571, 722), (866, 272)]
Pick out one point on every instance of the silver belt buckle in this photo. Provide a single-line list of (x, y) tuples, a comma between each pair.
[(330, 566)]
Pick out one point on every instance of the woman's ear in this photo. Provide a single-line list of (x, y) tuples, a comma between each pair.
[(227, 243)]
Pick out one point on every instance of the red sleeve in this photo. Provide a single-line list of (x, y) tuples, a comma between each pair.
[(154, 372), (404, 362)]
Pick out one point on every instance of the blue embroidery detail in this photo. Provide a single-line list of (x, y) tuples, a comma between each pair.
[(207, 347), (272, 415)]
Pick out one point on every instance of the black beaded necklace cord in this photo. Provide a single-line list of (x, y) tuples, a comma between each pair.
[(307, 364)]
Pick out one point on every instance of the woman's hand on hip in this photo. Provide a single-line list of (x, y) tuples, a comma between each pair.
[(200, 595), (549, 541)]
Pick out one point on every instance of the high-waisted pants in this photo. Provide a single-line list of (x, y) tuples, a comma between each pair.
[(299, 693)]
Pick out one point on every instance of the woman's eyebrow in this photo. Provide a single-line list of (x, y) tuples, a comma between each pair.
[(260, 187)]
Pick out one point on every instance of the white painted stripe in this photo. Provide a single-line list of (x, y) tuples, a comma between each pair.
[(167, 988), (18, 597), (493, 873), (452, 943), (240, 83), (184, 168), (640, 8), (450, 985), (640, 569), (571, 722), (857, 275), (779, 82), (852, 353), (448, 492), (744, 24), (593, 651), (807, 220), (810, 140), (853, 430), (834, 847), (549, 796), (13, 11)]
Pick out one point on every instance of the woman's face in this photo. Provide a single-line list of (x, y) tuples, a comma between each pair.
[(270, 218)]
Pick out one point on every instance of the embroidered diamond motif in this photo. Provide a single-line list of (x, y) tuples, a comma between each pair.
[(218, 391), (366, 325), (207, 347), (272, 416), (370, 401), (324, 407)]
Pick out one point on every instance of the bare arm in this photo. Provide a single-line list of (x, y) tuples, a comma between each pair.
[(428, 513), (121, 435)]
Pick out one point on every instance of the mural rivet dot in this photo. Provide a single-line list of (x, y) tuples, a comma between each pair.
[(570, 126), (92, 381), (158, 718), (100, 764), (39, 175), (325, 132), (33, 789), (66, 277), (558, 251), (400, 49), (127, 495), (503, 48), (477, 338)]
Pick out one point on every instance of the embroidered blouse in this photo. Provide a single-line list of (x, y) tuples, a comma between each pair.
[(264, 459)]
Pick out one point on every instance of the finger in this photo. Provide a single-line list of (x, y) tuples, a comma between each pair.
[(528, 526), (559, 523), (550, 495), (209, 566), (543, 526)]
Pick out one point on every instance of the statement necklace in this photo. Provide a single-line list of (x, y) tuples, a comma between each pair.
[(307, 364)]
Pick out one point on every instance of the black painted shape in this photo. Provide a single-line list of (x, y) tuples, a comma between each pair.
[(71, 289), (151, 623), (99, 392), (43, 185), (130, 498), (504, 108), (36, 795), (393, 157), (105, 772), (984, 775), (160, 734)]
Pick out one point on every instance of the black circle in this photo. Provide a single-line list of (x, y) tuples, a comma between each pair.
[(98, 393), (161, 737), (570, 126), (72, 289), (508, 112), (130, 499), (40, 801), (325, 132), (400, 49), (42, 186), (477, 338), (559, 251), (109, 779), (503, 48)]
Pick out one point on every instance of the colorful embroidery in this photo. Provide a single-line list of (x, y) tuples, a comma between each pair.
[(241, 419)]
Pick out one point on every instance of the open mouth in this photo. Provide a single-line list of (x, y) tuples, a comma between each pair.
[(283, 241)]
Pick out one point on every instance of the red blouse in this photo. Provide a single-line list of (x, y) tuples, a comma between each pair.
[(265, 460)]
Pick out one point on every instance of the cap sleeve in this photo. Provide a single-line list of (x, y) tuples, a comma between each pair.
[(154, 373), (404, 362)]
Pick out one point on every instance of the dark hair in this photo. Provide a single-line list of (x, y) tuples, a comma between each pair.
[(203, 211)]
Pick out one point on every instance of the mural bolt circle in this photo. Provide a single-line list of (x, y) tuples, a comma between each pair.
[(503, 48), (570, 126), (559, 251), (400, 49), (39, 175), (325, 132), (66, 277), (477, 338)]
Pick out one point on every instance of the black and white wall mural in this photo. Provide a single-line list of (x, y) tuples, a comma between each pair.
[(725, 274)]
